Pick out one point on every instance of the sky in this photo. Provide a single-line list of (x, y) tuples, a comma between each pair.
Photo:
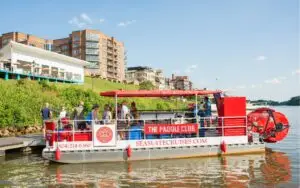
[(247, 48)]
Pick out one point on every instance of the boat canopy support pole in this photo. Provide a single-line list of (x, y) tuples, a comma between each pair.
[(116, 106), (196, 115)]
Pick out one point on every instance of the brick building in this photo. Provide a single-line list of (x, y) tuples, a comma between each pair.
[(27, 39), (105, 54), (181, 82)]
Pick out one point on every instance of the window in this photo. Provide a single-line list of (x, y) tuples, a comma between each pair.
[(64, 47), (76, 38), (69, 75), (92, 51), (48, 47), (91, 58), (77, 76), (91, 45), (92, 37), (75, 45), (76, 52)]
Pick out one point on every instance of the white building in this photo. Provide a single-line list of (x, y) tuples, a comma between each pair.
[(27, 61)]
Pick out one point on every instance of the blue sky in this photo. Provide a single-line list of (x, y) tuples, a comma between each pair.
[(247, 47)]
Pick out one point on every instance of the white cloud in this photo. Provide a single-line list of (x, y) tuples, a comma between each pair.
[(261, 58), (126, 23), (273, 81), (277, 80), (253, 86), (191, 68), (296, 72), (83, 20), (75, 22), (86, 18)]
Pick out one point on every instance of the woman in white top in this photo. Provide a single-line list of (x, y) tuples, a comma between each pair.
[(63, 113), (107, 115)]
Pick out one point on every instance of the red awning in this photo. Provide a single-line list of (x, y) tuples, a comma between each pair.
[(157, 93)]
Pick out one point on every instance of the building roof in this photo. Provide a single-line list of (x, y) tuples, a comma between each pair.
[(157, 93), (139, 68), (41, 52)]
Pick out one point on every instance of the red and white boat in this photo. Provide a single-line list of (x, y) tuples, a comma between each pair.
[(167, 135)]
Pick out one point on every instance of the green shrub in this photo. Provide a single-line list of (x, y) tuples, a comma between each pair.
[(21, 101)]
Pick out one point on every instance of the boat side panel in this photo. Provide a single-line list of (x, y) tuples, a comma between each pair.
[(150, 154)]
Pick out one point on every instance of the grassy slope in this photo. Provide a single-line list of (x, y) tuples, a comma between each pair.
[(104, 85), (21, 101)]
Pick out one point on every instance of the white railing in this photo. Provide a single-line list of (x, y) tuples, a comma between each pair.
[(207, 126)]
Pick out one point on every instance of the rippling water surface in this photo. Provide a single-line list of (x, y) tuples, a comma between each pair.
[(277, 167)]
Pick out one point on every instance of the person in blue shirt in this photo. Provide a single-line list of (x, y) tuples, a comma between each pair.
[(92, 116), (207, 109), (46, 112), (201, 114)]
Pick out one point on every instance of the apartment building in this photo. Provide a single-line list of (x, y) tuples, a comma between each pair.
[(181, 82), (105, 54), (27, 39), (140, 74), (169, 84)]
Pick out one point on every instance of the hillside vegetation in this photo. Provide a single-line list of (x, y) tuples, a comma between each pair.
[(293, 101), (21, 101)]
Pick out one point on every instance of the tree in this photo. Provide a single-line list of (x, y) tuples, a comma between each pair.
[(146, 85)]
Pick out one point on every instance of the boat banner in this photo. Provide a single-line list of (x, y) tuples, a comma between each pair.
[(104, 135), (187, 128)]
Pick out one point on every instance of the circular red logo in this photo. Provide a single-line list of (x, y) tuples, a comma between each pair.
[(104, 134)]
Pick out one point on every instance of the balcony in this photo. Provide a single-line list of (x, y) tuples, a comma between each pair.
[(110, 57), (109, 51)]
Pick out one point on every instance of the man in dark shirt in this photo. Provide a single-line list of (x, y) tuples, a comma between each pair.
[(46, 112)]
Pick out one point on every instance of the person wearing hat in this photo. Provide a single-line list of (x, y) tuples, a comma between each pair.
[(92, 116)]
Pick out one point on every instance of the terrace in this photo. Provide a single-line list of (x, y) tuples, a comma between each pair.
[(18, 61)]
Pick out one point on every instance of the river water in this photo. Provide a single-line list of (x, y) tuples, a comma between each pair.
[(277, 167)]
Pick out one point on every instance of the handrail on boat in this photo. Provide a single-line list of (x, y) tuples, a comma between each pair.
[(215, 126)]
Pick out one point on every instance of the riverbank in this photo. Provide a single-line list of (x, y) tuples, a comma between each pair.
[(18, 131)]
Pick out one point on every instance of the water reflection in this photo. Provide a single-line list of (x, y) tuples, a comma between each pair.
[(271, 168)]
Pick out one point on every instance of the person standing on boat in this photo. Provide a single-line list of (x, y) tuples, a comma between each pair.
[(125, 120), (78, 115), (46, 112), (201, 113), (134, 111), (92, 116), (63, 113), (46, 115), (124, 110), (207, 110), (107, 115)]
